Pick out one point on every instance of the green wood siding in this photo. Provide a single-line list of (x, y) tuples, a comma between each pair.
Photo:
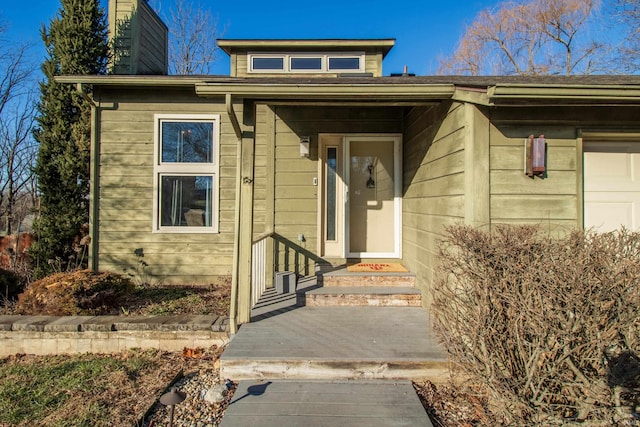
[(464, 164), (126, 142), (434, 183), (296, 198), (556, 201), (516, 198), (240, 61), (153, 43)]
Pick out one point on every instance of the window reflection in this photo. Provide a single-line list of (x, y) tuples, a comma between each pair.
[(187, 142), (332, 162), (186, 201)]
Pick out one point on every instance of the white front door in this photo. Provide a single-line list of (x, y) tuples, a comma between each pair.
[(612, 190), (361, 197)]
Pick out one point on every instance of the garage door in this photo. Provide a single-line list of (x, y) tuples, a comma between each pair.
[(612, 189)]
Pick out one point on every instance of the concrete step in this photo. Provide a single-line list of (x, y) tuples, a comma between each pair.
[(379, 296), (346, 278), (336, 343)]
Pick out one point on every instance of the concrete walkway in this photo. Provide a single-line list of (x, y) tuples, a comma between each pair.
[(329, 366), (293, 403)]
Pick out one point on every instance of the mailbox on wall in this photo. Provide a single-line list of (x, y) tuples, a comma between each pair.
[(535, 157)]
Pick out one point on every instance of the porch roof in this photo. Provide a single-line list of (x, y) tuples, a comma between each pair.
[(487, 90)]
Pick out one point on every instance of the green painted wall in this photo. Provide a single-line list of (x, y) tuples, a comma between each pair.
[(555, 202), (126, 143), (434, 183), (296, 197), (461, 164), (139, 38), (516, 198)]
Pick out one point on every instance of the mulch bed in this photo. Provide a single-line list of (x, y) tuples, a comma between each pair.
[(451, 406)]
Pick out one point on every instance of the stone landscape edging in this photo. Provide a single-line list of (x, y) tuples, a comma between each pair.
[(46, 335)]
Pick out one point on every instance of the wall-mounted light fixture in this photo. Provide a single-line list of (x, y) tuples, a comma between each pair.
[(305, 143), (535, 157)]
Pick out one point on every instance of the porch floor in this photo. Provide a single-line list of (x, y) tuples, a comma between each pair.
[(287, 341)]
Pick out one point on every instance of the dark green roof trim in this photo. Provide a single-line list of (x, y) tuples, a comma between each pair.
[(487, 90), (289, 45), (511, 93)]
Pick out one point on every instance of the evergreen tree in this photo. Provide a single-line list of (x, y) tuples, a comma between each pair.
[(76, 43)]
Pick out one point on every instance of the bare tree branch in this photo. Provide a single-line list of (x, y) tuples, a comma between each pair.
[(528, 38), (18, 151), (628, 14), (15, 71), (193, 31), (17, 147)]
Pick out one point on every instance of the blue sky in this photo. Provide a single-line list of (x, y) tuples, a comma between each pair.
[(424, 29)]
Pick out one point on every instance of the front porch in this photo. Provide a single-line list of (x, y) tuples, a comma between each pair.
[(336, 343), (368, 338), (375, 186)]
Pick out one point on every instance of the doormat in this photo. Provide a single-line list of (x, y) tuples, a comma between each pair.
[(376, 267)]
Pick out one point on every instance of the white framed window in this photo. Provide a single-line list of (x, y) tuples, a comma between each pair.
[(267, 64), (345, 63), (306, 62), (301, 64), (186, 173)]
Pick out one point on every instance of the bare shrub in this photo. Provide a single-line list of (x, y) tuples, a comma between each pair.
[(77, 293), (548, 325)]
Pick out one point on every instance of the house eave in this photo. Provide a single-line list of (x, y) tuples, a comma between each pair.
[(341, 90), (379, 90), (372, 92), (131, 80), (511, 94)]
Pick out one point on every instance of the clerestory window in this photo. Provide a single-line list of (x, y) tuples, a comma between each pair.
[(305, 62)]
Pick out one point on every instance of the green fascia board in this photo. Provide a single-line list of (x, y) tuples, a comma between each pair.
[(496, 94), (513, 93), (371, 92), (131, 80), (288, 91)]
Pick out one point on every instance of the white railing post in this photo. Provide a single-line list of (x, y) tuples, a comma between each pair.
[(258, 268)]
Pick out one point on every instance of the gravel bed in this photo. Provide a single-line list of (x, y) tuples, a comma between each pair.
[(195, 411)]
